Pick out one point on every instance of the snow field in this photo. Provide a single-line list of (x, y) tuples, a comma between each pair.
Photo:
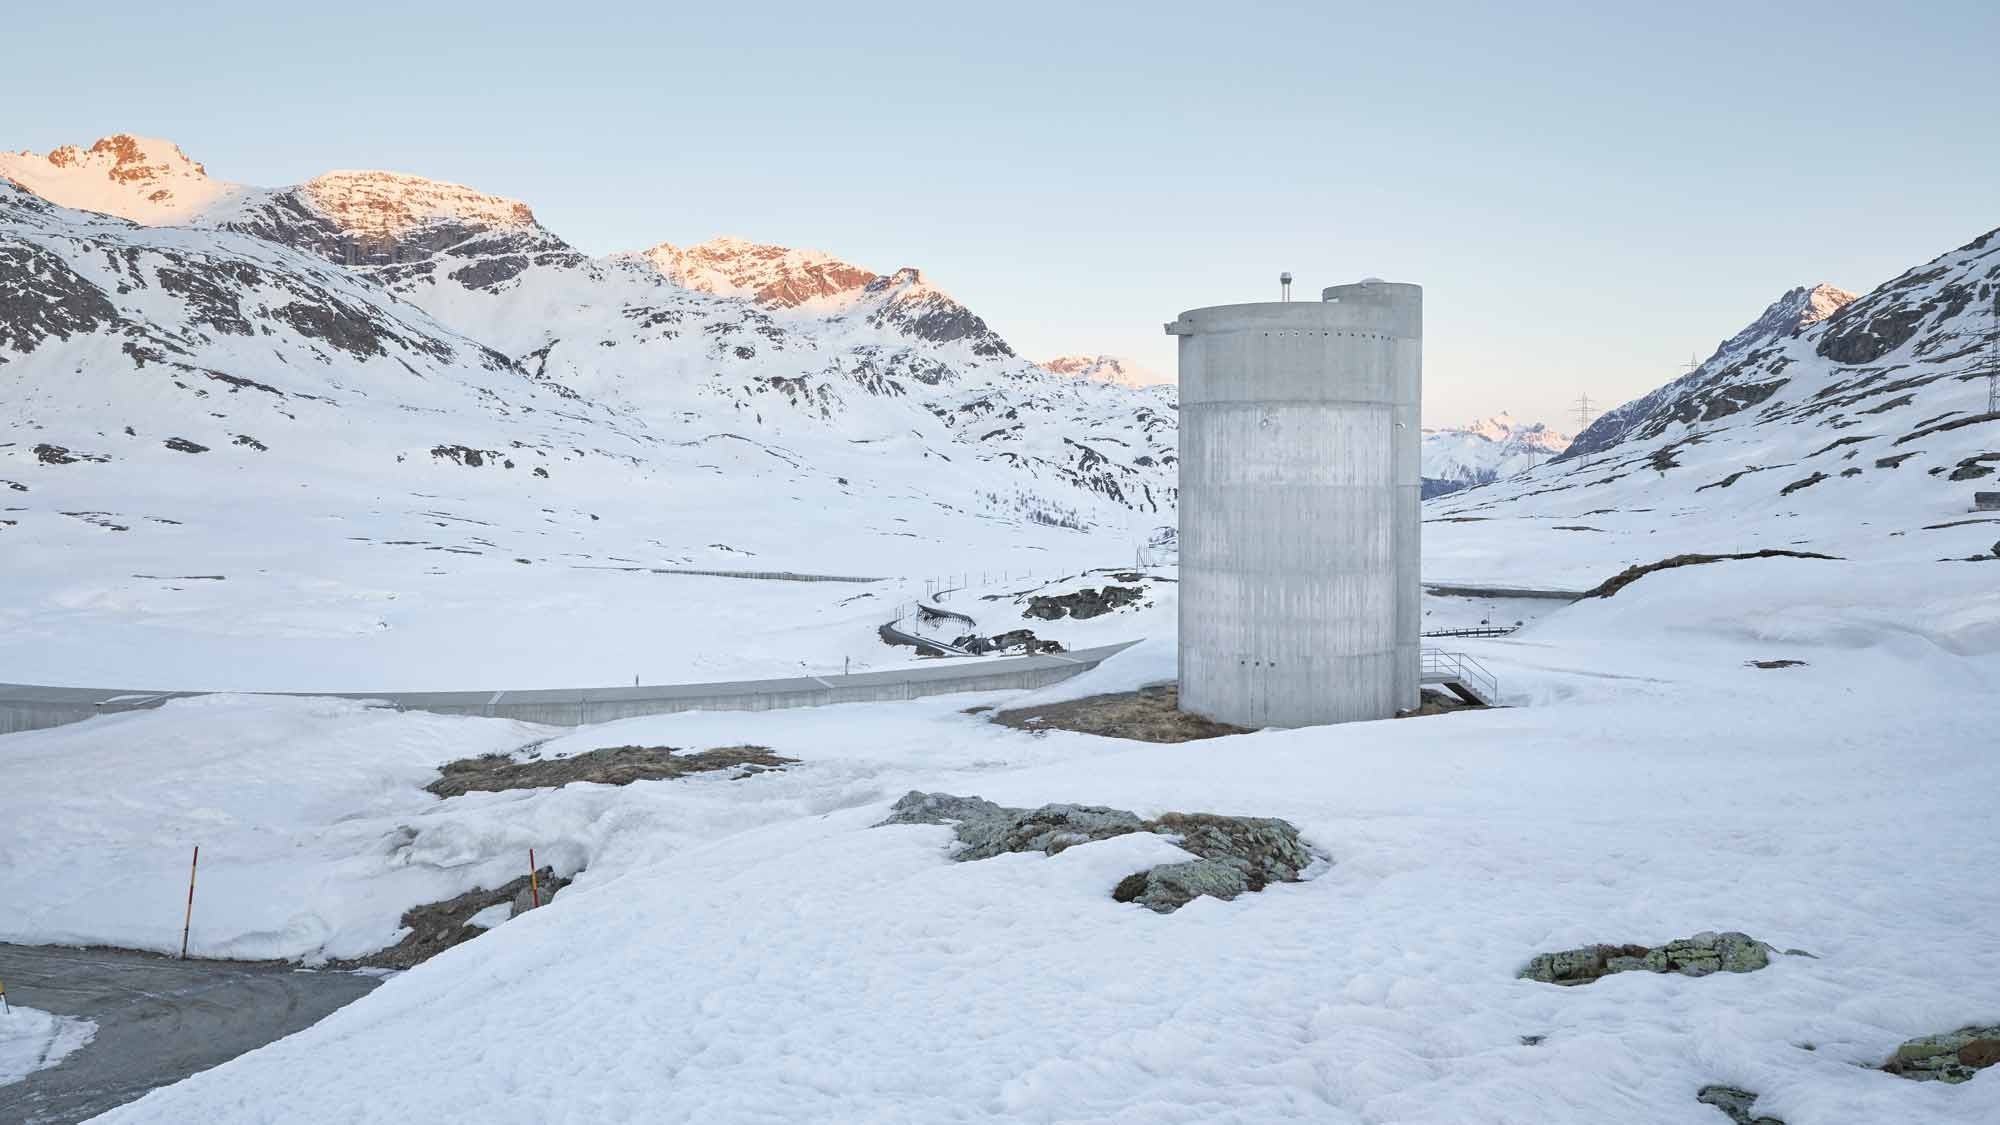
[(749, 951)]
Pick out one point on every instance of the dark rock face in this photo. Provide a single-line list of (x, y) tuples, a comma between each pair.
[(464, 455), (1802, 482), (1952, 1056), (1632, 574), (1696, 956), (183, 445), (41, 297), (929, 315), (60, 455), (615, 765), (1736, 1103), (488, 273), (1235, 854), (1022, 639), (1083, 604)]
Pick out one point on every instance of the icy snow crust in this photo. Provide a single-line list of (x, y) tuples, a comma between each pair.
[(754, 950), (32, 1040)]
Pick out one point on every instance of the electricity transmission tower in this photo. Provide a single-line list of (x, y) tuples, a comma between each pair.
[(1993, 356), (1584, 412)]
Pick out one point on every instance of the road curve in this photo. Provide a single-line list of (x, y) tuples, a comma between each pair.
[(34, 707)]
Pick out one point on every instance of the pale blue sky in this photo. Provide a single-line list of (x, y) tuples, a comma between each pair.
[(1589, 192)]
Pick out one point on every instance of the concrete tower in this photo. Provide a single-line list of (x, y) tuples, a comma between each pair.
[(1300, 446)]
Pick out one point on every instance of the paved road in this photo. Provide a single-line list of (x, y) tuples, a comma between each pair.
[(158, 1020), (31, 707)]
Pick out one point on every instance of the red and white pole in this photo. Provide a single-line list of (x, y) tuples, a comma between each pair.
[(188, 920)]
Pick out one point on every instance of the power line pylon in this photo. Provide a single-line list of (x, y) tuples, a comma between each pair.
[(1584, 413)]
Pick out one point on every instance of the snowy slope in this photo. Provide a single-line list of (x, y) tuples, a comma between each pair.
[(1863, 434), (756, 951), (1456, 457), (421, 404), (1718, 378)]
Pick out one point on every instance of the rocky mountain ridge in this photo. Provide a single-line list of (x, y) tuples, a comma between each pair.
[(324, 414), (1713, 388), (1852, 427)]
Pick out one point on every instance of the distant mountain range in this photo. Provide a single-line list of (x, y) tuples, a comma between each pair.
[(436, 283), (1456, 457), (1106, 369), (342, 390)]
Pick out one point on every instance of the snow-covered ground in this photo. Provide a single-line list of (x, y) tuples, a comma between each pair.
[(754, 950), (32, 1040)]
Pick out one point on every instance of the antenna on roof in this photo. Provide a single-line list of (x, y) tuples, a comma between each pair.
[(1285, 286)]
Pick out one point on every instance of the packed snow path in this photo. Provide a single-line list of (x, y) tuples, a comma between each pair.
[(26, 707), (158, 1020)]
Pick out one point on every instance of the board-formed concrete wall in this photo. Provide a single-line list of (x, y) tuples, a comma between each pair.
[(1300, 477), (26, 707)]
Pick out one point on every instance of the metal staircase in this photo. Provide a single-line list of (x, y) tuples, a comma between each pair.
[(1461, 675)]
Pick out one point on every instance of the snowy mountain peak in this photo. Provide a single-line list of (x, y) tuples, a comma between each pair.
[(1693, 395), (1823, 300), (1116, 370), (1799, 307), (1502, 429), (145, 179), (1484, 451), (817, 282), (775, 276), (389, 205)]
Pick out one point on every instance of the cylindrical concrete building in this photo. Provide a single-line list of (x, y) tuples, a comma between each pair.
[(1301, 476)]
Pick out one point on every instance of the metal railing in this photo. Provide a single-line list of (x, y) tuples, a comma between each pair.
[(1473, 631), (1441, 665)]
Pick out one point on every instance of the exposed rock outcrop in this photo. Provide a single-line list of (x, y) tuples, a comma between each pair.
[(1697, 956), (1951, 1056), (1083, 604), (1151, 714), (1234, 854), (614, 765), (1736, 1103)]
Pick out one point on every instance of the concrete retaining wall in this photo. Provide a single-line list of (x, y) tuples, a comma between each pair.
[(26, 707)]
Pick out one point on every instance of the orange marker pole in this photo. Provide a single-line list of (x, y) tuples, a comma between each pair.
[(534, 884), (188, 921)]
